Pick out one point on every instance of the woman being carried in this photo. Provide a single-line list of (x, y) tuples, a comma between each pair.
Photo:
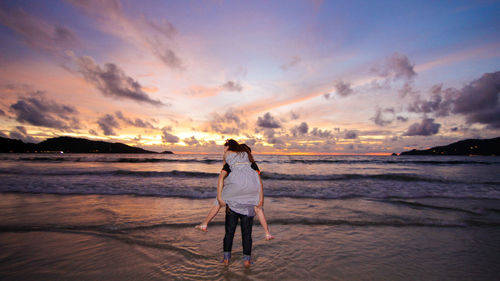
[(230, 147)]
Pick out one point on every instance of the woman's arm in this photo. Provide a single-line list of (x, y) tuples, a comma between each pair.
[(261, 197)]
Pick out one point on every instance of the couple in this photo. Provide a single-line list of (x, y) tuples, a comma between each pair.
[(240, 190)]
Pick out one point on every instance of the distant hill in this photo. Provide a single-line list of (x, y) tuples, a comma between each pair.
[(17, 146), (464, 147), (68, 145)]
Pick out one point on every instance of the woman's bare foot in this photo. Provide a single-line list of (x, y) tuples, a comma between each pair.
[(202, 227), (225, 262), (247, 263), (269, 236)]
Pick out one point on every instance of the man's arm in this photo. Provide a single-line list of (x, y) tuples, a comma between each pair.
[(220, 186)]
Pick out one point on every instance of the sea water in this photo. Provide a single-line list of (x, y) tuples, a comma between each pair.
[(132, 216)]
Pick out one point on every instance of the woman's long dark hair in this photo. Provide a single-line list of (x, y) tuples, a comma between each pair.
[(236, 147)]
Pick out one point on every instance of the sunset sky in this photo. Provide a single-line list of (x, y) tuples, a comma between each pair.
[(283, 76)]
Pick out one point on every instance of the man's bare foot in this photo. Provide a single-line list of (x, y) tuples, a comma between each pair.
[(247, 263), (225, 262), (202, 227), (269, 237)]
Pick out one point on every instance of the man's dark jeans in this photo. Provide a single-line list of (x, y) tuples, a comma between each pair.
[(246, 231)]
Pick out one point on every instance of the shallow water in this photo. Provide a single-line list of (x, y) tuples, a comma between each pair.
[(132, 217), (122, 237)]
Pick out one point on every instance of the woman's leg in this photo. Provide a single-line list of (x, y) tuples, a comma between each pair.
[(260, 214), (246, 237), (230, 226), (210, 216)]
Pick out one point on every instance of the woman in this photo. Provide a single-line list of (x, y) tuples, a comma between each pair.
[(259, 211), (240, 188)]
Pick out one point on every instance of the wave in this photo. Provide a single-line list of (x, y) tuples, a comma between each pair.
[(198, 174), (399, 177), (115, 160), (128, 229), (202, 193), (374, 160), (392, 161), (130, 173), (419, 205), (340, 177)]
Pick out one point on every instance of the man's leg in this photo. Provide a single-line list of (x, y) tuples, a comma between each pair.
[(230, 224), (246, 235)]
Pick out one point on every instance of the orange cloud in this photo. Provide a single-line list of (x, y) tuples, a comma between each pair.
[(203, 92)]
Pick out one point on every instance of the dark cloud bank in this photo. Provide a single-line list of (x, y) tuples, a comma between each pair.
[(36, 109), (112, 81), (478, 101)]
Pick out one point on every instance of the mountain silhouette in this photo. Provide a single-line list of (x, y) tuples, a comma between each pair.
[(68, 145), (464, 147)]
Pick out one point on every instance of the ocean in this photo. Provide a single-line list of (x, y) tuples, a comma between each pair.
[(132, 217)]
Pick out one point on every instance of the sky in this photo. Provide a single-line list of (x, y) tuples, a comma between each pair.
[(334, 77)]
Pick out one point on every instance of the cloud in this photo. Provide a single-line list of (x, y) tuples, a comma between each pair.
[(379, 118), (136, 123), (203, 91), (343, 89), (440, 102), (301, 129), (191, 141), (351, 135), (401, 118), (230, 123), (112, 81), (37, 110), (167, 137), (20, 133), (108, 123), (268, 133), (294, 116), (396, 66), (36, 32), (268, 121), (407, 89), (156, 36), (277, 143), (321, 133), (426, 128), (232, 86), (169, 58), (478, 101), (250, 142), (2, 113), (291, 63)]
